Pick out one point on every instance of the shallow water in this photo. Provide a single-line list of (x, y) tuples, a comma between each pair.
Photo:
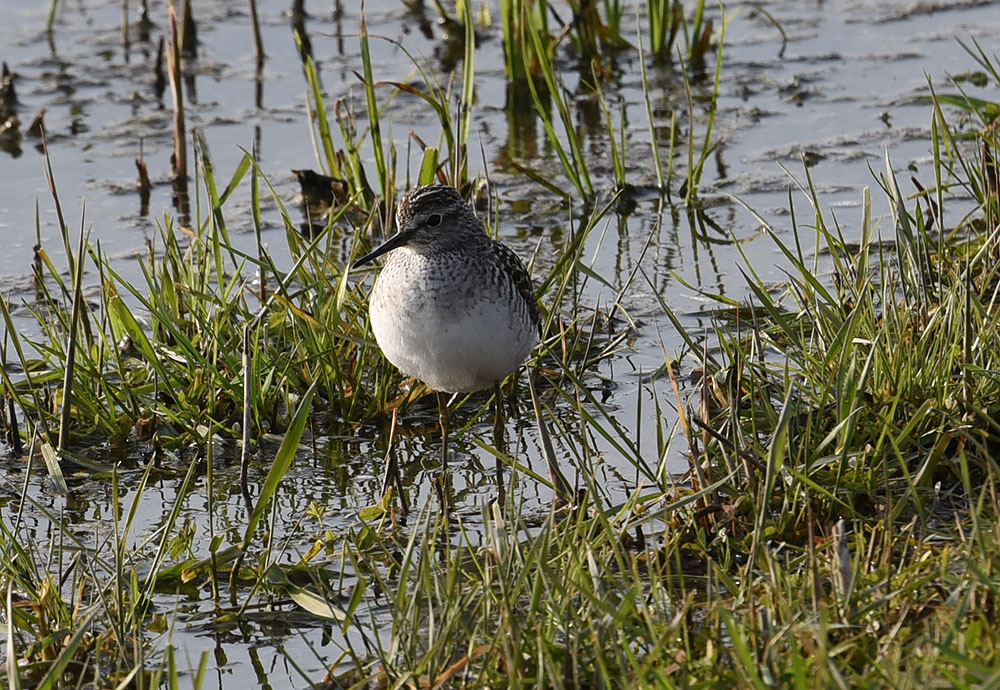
[(833, 94)]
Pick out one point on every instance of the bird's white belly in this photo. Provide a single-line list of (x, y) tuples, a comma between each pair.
[(467, 346)]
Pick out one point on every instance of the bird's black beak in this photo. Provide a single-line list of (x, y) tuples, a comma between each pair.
[(397, 240)]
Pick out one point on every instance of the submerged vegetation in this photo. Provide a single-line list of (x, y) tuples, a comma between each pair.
[(838, 525)]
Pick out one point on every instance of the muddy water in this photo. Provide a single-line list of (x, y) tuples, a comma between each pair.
[(830, 93)]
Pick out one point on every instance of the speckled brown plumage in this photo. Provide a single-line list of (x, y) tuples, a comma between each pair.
[(451, 306)]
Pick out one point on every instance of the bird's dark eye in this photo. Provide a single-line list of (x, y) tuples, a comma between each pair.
[(433, 220)]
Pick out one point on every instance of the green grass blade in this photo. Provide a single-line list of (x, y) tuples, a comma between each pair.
[(282, 460)]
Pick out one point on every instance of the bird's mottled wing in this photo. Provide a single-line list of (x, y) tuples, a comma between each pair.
[(510, 265)]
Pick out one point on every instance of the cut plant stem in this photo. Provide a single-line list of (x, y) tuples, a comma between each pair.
[(174, 76)]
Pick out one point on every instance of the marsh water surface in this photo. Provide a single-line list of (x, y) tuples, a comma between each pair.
[(837, 93)]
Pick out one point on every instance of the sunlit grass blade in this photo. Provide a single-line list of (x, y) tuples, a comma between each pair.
[(282, 460), (374, 119)]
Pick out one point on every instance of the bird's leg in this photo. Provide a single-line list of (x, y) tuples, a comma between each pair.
[(498, 440), (442, 399)]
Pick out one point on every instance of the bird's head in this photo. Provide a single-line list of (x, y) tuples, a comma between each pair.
[(431, 217)]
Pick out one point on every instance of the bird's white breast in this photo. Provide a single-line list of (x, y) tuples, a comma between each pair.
[(446, 324)]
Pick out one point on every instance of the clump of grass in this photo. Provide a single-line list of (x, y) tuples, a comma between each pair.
[(184, 366), (881, 371), (839, 528), (535, 59), (161, 359), (664, 18), (168, 362), (78, 611), (866, 395), (520, 19)]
